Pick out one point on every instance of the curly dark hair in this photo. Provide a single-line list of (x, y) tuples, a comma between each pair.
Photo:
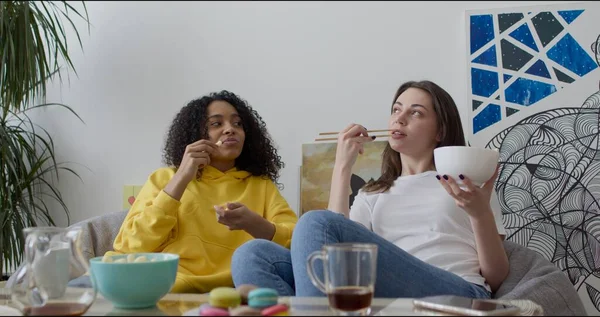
[(259, 155)]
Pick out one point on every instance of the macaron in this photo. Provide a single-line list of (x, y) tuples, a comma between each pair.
[(224, 297), (207, 310), (277, 310), (244, 311), (213, 311), (262, 297), (244, 289)]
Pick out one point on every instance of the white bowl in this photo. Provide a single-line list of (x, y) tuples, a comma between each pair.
[(478, 164)]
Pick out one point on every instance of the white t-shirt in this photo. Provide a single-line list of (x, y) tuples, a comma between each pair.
[(420, 217)]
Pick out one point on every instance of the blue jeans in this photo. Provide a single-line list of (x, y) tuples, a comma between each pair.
[(399, 274)]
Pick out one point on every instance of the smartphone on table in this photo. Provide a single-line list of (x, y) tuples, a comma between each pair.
[(465, 306)]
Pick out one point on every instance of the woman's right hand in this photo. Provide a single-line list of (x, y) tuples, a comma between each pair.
[(196, 156), (350, 144)]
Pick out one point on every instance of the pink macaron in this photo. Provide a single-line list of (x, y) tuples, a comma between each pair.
[(207, 310), (276, 310)]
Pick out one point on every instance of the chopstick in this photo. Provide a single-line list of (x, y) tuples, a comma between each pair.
[(332, 133), (333, 139)]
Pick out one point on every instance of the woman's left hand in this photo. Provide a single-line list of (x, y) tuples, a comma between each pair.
[(236, 217), (473, 199)]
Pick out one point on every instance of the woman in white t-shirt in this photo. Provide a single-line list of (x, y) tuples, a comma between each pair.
[(433, 237)]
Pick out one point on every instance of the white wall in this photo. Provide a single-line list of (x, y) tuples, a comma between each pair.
[(307, 67)]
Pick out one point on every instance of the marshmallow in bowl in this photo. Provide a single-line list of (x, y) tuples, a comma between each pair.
[(131, 258), (141, 259)]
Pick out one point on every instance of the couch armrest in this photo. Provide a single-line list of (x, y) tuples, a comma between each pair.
[(99, 233), (533, 277)]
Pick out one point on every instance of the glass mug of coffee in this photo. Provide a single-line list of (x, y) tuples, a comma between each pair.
[(349, 271)]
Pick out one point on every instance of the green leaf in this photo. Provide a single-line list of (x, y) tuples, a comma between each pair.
[(27, 160), (33, 43)]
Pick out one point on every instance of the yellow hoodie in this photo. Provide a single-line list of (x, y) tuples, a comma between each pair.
[(158, 223)]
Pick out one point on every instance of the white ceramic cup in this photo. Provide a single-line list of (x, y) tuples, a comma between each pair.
[(51, 271)]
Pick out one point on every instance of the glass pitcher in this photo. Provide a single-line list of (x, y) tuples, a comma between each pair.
[(52, 258)]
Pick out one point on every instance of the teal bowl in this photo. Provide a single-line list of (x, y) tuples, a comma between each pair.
[(134, 285)]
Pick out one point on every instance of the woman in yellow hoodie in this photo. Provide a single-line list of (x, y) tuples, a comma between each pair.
[(219, 192)]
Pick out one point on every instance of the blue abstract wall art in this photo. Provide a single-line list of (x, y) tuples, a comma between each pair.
[(532, 52)]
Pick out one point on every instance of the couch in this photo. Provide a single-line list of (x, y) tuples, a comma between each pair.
[(531, 276)]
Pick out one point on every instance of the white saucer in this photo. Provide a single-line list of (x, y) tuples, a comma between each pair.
[(192, 312), (9, 311)]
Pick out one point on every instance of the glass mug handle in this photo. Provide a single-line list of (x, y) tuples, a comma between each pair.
[(317, 255)]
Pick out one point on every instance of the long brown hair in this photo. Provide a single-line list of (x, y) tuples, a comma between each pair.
[(449, 125)]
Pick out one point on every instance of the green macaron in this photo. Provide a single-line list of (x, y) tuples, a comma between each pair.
[(262, 297)]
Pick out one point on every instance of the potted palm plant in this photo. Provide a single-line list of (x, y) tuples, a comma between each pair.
[(33, 50)]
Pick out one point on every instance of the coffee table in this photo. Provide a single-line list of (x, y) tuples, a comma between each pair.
[(187, 304)]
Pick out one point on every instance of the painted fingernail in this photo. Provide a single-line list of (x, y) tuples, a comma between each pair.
[(461, 176), (373, 137), (446, 177), (438, 177)]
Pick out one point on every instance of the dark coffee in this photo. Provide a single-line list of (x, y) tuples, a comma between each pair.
[(350, 298), (56, 309)]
